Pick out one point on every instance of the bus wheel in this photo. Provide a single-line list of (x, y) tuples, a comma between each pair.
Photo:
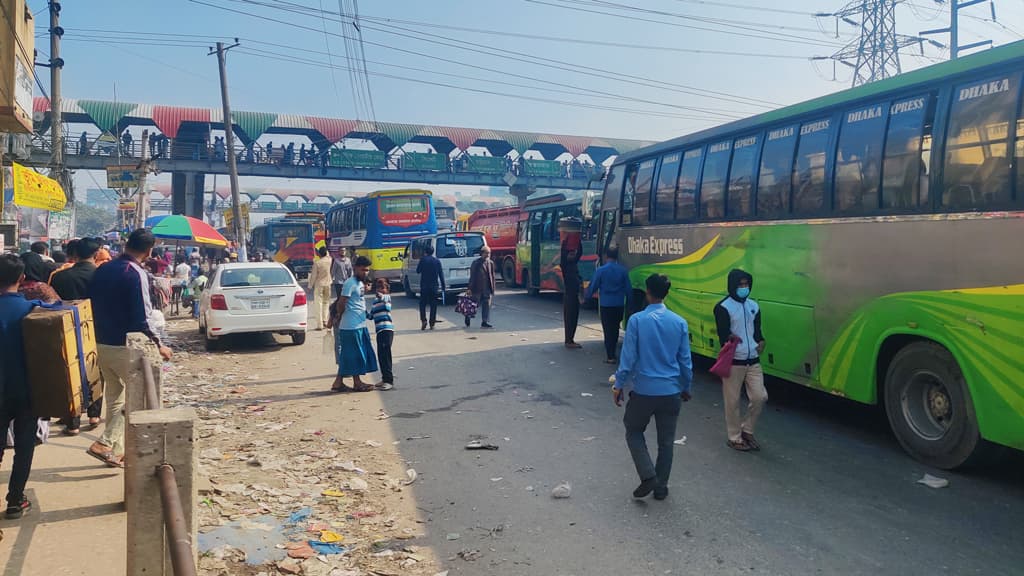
[(929, 406), (508, 273), (408, 288)]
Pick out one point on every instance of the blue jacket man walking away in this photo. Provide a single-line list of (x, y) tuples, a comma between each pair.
[(656, 365), (431, 279), (611, 282)]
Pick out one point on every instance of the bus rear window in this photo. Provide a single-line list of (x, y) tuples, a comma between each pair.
[(261, 276), (403, 205), (459, 246)]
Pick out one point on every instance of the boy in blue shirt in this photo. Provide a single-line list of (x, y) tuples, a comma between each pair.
[(380, 313), (656, 363), (15, 399)]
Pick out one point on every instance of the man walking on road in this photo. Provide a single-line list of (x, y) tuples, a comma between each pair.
[(656, 364), (431, 278), (738, 318), (15, 395), (570, 253), (611, 282), (481, 285), (341, 271), (320, 284), (121, 305)]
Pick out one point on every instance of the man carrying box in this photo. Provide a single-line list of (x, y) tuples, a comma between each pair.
[(120, 302), (15, 397)]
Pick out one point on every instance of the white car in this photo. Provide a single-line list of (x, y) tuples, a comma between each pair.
[(455, 250), (252, 297)]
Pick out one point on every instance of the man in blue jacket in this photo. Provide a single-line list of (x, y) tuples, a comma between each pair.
[(15, 398), (611, 282), (120, 303), (656, 364), (431, 278)]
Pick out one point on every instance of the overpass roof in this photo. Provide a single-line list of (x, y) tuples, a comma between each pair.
[(111, 116)]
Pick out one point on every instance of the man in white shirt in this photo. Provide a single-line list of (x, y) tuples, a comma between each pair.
[(182, 272)]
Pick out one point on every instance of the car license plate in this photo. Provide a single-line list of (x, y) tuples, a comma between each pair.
[(260, 304), (460, 273)]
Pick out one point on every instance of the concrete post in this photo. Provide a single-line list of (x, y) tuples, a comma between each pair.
[(153, 437)]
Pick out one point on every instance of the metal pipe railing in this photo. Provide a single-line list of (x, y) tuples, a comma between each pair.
[(152, 396), (182, 558)]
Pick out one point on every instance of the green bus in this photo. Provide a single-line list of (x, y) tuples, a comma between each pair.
[(881, 225), (538, 251)]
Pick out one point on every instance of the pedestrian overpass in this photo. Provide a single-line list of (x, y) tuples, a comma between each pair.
[(188, 143)]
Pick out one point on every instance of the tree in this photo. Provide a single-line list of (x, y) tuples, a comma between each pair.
[(92, 221)]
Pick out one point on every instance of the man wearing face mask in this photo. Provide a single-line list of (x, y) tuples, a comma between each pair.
[(738, 318)]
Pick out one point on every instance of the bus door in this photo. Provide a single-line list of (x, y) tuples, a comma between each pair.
[(606, 231), (536, 238)]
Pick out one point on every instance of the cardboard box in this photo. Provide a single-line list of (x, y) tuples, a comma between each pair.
[(60, 354)]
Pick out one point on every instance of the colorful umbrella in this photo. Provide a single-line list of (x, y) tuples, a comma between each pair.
[(178, 227)]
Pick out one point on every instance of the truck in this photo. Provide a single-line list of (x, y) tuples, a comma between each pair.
[(501, 229)]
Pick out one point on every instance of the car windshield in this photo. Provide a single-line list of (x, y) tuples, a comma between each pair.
[(459, 246), (238, 277)]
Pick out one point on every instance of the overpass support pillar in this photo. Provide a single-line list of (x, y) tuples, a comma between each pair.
[(187, 193), (521, 191)]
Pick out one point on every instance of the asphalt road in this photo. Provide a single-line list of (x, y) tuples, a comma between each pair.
[(831, 492)]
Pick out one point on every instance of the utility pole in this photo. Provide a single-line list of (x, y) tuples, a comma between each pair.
[(229, 142), (954, 26), (141, 200), (56, 122)]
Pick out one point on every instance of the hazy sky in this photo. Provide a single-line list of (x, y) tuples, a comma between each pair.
[(646, 69)]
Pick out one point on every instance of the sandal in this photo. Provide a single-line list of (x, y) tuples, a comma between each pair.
[(363, 387), (740, 446), (72, 431), (342, 389), (749, 439), (107, 458), (94, 422)]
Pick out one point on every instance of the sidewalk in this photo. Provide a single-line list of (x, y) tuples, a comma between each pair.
[(77, 523)]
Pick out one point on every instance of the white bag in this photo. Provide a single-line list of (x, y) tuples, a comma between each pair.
[(42, 433), (328, 343)]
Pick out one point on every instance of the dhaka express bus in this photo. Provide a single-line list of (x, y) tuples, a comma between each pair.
[(380, 226), (881, 226), (287, 241)]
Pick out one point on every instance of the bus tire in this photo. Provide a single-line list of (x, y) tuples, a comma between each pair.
[(508, 272), (929, 406), (408, 288)]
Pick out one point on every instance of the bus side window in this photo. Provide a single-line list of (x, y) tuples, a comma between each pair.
[(1020, 154), (977, 171), (613, 188), (907, 154), (629, 193), (665, 192), (362, 217), (773, 180), (741, 177), (858, 162), (686, 193), (417, 249), (644, 184), (809, 187), (549, 230), (712, 186)]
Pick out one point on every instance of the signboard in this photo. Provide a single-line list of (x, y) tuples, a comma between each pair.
[(549, 168), (17, 49), (229, 216), (33, 190), (357, 158), (289, 205), (486, 165), (126, 206), (422, 161), (123, 176), (268, 205)]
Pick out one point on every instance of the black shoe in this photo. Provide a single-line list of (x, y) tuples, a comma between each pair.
[(467, 321), (661, 493), (486, 325), (645, 488), (423, 326), (431, 325), (15, 511)]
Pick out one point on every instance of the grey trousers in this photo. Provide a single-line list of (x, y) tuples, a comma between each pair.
[(639, 411)]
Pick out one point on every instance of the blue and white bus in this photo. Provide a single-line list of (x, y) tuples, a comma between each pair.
[(379, 226)]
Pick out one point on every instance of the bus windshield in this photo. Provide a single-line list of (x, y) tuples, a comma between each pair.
[(284, 232)]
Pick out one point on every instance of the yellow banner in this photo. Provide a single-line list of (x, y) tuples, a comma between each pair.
[(33, 190)]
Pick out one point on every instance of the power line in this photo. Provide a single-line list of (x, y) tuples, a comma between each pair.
[(330, 57), (526, 58), (746, 7), (652, 113)]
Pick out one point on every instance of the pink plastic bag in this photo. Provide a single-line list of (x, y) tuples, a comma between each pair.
[(723, 366)]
